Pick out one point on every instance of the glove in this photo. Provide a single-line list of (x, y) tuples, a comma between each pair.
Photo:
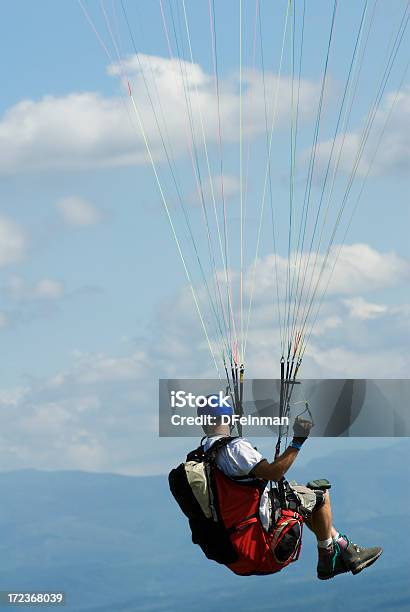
[(301, 429)]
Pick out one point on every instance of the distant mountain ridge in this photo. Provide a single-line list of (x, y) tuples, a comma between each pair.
[(119, 543)]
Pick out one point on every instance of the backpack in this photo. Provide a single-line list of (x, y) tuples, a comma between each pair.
[(223, 514)]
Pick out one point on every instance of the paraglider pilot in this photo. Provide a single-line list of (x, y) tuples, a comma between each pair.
[(337, 554)]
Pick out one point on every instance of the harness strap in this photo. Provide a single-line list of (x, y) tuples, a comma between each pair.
[(252, 518), (216, 446)]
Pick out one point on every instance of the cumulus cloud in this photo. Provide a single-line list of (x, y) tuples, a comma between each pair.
[(359, 268), (13, 242), (172, 78), (391, 153), (48, 289), (349, 319), (25, 301), (394, 154), (77, 212), (219, 186), (44, 289), (361, 309), (346, 362), (74, 131), (91, 415), (12, 397), (86, 417), (83, 130), (106, 369), (361, 272)]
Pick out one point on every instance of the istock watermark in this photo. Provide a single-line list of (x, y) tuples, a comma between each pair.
[(182, 399), (339, 407)]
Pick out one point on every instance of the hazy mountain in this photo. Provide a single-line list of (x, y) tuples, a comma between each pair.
[(116, 543)]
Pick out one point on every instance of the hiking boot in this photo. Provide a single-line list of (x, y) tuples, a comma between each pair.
[(331, 564), (357, 558)]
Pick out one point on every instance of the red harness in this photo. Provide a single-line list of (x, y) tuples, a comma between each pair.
[(259, 552)]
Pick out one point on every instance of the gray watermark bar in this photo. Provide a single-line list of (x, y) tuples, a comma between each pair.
[(339, 407), (32, 598)]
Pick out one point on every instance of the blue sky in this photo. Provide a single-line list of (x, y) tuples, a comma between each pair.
[(95, 305)]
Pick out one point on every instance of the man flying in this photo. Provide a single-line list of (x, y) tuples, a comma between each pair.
[(238, 458)]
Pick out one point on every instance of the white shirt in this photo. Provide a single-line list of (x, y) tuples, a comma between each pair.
[(238, 458)]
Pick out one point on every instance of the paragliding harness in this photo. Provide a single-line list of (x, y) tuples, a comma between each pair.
[(223, 514)]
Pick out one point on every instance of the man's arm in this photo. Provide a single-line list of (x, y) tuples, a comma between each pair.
[(278, 468)]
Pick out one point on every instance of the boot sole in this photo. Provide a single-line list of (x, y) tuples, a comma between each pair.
[(365, 564), (329, 577)]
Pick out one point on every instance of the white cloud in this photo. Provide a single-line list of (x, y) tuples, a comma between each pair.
[(13, 242), (77, 212), (326, 324), (12, 396), (392, 153), (170, 79), (361, 309), (231, 185), (362, 271), (227, 185), (362, 268), (359, 268), (48, 289), (26, 300), (83, 130), (103, 368), (15, 286), (44, 289), (346, 362), (82, 417), (75, 131), (100, 413)]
